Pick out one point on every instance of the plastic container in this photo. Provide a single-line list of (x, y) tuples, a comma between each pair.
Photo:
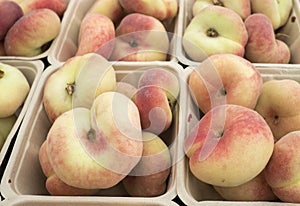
[(65, 45), (291, 31), (32, 71), (193, 191), (23, 175), (82, 201), (45, 53)]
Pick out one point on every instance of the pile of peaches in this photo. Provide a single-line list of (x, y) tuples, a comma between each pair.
[(247, 141), (103, 132), (248, 29)]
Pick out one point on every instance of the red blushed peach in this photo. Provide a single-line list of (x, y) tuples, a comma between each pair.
[(58, 6), (96, 148), (23, 40), (160, 9), (225, 79), (136, 39), (154, 109), (148, 178), (10, 12), (262, 45), (222, 142), (125, 88), (164, 79), (96, 34), (53, 184), (256, 189), (282, 171)]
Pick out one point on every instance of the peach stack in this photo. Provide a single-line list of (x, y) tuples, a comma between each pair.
[(244, 28), (127, 30), (103, 132), (26, 27), (245, 123)]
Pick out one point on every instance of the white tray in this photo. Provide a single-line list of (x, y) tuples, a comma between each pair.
[(191, 190), (23, 175), (65, 45), (292, 29), (83, 201), (32, 71)]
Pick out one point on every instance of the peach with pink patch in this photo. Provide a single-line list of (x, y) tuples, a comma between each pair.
[(282, 171), (221, 143), (53, 184), (262, 45), (30, 42), (96, 148), (136, 39), (154, 109)]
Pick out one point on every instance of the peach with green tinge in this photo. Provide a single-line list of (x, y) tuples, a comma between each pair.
[(160, 9), (110, 8), (53, 184), (77, 83), (242, 7), (96, 148), (278, 103), (220, 144)]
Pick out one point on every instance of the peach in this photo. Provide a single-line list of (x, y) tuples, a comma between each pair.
[(14, 89), (243, 8), (77, 83), (148, 178), (53, 184), (30, 41), (154, 108), (277, 11), (96, 148), (96, 34), (58, 6), (225, 79), (282, 171), (10, 12), (221, 144), (262, 45), (256, 189), (162, 78), (160, 9), (278, 103), (136, 39), (207, 34), (110, 8)]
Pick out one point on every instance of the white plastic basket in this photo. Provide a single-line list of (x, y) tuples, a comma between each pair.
[(65, 45), (193, 191)]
